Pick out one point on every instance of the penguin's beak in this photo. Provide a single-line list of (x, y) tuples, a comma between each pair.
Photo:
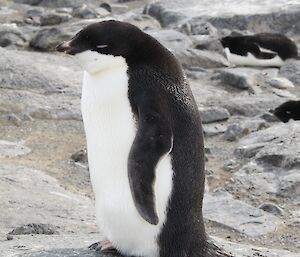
[(271, 111), (66, 48)]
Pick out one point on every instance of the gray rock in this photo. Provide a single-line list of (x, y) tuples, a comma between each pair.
[(53, 19), (150, 25), (213, 114), (222, 208), (233, 132), (12, 149), (39, 196), (289, 185), (207, 43), (106, 6), (197, 26), (253, 182), (172, 39), (248, 106), (271, 208), (291, 70), (33, 228), (84, 12), (49, 38), (231, 165), (248, 151), (200, 58), (240, 78), (80, 156), (280, 83), (281, 145), (164, 15), (50, 89), (214, 129), (11, 35)]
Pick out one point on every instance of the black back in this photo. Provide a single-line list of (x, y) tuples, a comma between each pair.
[(288, 110), (167, 119), (277, 43)]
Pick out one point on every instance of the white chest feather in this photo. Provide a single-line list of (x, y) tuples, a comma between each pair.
[(110, 130), (251, 60)]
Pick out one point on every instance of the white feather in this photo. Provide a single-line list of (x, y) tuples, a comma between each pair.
[(110, 130), (251, 60)]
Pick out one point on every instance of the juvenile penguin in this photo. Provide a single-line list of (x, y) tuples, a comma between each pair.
[(144, 142), (263, 49), (288, 110)]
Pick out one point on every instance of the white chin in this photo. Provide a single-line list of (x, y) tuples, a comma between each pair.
[(93, 62)]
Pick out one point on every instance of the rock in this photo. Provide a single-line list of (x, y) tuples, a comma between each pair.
[(80, 156), (257, 182), (231, 165), (248, 106), (171, 39), (50, 89), (49, 38), (280, 83), (291, 70), (190, 58), (213, 114), (11, 118), (39, 196), (53, 19), (220, 207), (106, 6), (281, 145), (289, 185), (84, 12), (207, 43), (243, 250), (269, 117), (33, 228), (12, 149), (240, 78), (149, 24), (213, 129), (197, 26), (248, 151), (11, 35), (233, 132), (271, 208), (240, 127), (59, 3), (163, 15), (9, 237), (253, 182)]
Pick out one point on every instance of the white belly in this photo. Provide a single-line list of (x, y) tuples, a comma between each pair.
[(251, 60), (110, 131)]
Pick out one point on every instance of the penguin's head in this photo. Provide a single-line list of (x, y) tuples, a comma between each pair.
[(226, 41), (104, 44), (288, 110)]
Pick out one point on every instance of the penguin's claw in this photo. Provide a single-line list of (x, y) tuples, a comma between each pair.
[(103, 246)]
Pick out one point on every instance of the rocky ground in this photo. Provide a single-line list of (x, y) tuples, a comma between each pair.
[(251, 206)]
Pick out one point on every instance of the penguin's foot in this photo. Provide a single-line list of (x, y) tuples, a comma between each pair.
[(103, 246)]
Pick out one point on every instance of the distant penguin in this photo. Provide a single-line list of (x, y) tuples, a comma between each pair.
[(263, 49), (144, 142), (288, 110)]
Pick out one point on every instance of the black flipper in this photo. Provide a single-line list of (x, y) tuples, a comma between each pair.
[(152, 141), (256, 51)]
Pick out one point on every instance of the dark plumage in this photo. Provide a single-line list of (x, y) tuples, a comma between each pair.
[(288, 110), (167, 118), (277, 43)]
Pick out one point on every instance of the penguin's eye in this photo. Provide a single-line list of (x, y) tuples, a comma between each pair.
[(101, 46), (287, 112)]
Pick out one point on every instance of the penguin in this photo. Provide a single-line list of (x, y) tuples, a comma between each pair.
[(144, 143), (263, 49), (288, 110)]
